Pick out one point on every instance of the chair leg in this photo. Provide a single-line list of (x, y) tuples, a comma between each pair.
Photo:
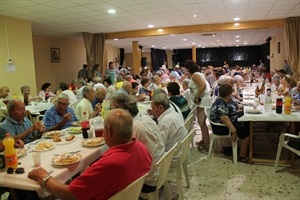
[(186, 173), (179, 182), (166, 188), (278, 155), (153, 195), (212, 139), (234, 151), (193, 145)]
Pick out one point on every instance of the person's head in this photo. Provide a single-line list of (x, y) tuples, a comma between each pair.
[(111, 65), (62, 86), (185, 84), (156, 79), (85, 66), (107, 82), (88, 93), (191, 67), (225, 90), (100, 93), (276, 80), (134, 88), (96, 67), (46, 87), (159, 103), (16, 109), (25, 89), (124, 101), (126, 86), (225, 79), (62, 103), (117, 127), (145, 82), (173, 89), (4, 92), (80, 83), (281, 73), (298, 87), (128, 77), (289, 82), (238, 80)]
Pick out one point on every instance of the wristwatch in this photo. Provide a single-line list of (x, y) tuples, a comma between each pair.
[(44, 180)]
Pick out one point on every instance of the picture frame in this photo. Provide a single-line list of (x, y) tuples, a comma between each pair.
[(55, 55), (278, 47)]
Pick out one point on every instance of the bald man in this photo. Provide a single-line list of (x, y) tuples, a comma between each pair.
[(100, 94), (108, 175)]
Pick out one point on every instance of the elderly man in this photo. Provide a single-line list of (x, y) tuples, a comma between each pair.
[(19, 126), (126, 88), (170, 122), (79, 85), (146, 131), (296, 97), (60, 116), (125, 161), (85, 105), (99, 97)]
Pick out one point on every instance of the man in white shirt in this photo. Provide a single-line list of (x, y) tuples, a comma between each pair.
[(85, 105), (170, 123), (146, 131), (80, 85)]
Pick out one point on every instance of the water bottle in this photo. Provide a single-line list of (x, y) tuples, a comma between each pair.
[(10, 153)]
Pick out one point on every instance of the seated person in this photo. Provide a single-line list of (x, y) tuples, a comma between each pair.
[(225, 113), (296, 97), (63, 88), (110, 89), (19, 126), (59, 116), (290, 86), (25, 90), (110, 174), (100, 94), (144, 90), (18, 143), (46, 92), (134, 90), (175, 97), (4, 94)]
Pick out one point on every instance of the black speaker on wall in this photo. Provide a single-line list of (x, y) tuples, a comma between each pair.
[(144, 61)]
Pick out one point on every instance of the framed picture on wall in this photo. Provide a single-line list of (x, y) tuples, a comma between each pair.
[(55, 55), (278, 47)]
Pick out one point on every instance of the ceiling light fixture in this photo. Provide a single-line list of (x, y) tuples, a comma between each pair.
[(236, 19), (193, 43), (184, 39), (195, 15), (111, 11), (10, 67), (153, 45), (172, 34), (237, 40), (150, 26), (160, 30), (237, 36), (116, 39), (236, 24)]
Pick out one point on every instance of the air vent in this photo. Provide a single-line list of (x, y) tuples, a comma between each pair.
[(208, 34)]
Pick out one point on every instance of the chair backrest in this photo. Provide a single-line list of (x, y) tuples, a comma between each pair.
[(132, 191), (164, 164), (207, 113), (74, 105), (188, 123), (29, 116), (185, 145)]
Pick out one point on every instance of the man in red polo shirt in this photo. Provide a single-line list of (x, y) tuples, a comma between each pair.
[(125, 161)]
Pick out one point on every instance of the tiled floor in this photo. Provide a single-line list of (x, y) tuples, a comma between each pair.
[(218, 178)]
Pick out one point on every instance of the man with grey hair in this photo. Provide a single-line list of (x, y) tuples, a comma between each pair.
[(59, 116), (170, 123), (146, 131), (85, 105), (126, 88), (19, 126), (80, 84)]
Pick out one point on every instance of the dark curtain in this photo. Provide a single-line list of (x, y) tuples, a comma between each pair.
[(122, 56), (158, 57), (242, 56)]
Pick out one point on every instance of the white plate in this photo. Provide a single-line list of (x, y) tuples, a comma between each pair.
[(74, 130), (50, 134), (66, 159), (93, 142), (64, 141), (77, 123), (43, 146), (253, 111), (21, 152)]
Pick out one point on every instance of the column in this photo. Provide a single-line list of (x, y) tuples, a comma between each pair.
[(194, 55), (136, 57)]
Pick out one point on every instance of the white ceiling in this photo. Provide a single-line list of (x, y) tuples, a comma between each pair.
[(68, 18)]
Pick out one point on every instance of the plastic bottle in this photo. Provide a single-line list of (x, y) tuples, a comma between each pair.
[(10, 153), (257, 91), (288, 105), (105, 107), (268, 101), (85, 124)]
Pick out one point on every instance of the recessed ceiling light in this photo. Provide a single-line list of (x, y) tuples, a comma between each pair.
[(218, 40), (111, 11), (214, 35), (203, 47), (165, 47), (245, 43), (153, 45), (193, 43), (150, 26), (116, 39), (236, 24), (237, 45), (195, 15), (160, 30), (184, 39), (172, 34), (237, 36), (237, 40), (236, 19), (199, 45)]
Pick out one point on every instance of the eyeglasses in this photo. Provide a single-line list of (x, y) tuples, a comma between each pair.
[(19, 170), (63, 104)]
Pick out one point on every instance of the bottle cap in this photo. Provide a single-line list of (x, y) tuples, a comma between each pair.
[(7, 135)]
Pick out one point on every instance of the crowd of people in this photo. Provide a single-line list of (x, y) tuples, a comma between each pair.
[(173, 93)]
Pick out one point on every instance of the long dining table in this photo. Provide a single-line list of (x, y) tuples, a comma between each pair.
[(61, 173)]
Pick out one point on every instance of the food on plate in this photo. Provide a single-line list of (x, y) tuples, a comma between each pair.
[(93, 141), (66, 158), (53, 134), (56, 138), (77, 123), (70, 137), (43, 146), (74, 129)]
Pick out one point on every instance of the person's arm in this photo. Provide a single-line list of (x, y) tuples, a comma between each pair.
[(228, 123), (67, 117), (201, 86), (24, 134), (97, 110), (52, 185)]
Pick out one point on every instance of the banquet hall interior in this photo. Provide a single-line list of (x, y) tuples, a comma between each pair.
[(32, 31)]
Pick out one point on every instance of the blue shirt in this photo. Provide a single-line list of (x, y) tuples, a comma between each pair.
[(52, 117), (221, 108), (95, 101), (9, 125)]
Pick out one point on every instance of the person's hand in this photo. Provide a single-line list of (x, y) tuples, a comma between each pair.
[(98, 107), (67, 117), (197, 100), (41, 126), (34, 126), (19, 143), (38, 174), (233, 136)]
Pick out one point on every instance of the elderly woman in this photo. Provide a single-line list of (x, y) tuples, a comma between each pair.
[(222, 111), (290, 86), (25, 90), (46, 92), (199, 88)]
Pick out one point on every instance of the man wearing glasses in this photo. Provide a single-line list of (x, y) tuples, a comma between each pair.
[(60, 116)]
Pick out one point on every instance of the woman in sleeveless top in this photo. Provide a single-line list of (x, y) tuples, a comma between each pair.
[(199, 88)]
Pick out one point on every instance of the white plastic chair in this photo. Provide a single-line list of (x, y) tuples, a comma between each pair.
[(213, 137), (74, 105), (132, 191), (163, 164), (188, 123), (283, 143), (184, 146)]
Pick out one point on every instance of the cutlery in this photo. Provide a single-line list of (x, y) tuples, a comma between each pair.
[(70, 153)]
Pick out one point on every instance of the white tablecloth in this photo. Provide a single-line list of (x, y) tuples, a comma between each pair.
[(61, 173)]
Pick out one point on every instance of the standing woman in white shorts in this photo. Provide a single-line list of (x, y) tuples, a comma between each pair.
[(199, 88)]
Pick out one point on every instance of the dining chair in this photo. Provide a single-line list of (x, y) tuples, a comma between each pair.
[(188, 123), (283, 143), (214, 137), (74, 105), (184, 146), (132, 191), (29, 116), (163, 164)]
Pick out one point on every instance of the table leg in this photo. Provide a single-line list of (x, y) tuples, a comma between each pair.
[(251, 143)]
